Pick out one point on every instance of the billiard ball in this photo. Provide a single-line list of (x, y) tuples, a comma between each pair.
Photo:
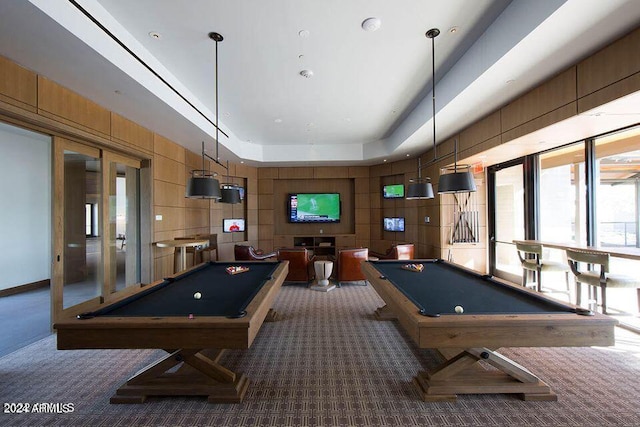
[(458, 309), (197, 295)]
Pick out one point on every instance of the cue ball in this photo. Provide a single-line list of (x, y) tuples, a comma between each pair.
[(197, 295), (458, 309)]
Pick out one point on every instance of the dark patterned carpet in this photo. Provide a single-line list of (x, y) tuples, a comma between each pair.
[(327, 362)]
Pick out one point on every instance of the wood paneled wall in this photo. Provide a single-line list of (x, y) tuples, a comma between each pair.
[(35, 102), (274, 184)]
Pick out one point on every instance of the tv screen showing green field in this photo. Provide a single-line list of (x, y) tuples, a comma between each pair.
[(393, 191), (314, 207)]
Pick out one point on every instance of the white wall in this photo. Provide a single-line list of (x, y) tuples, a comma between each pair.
[(25, 206)]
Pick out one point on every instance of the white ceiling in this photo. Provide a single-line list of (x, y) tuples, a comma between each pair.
[(369, 98)]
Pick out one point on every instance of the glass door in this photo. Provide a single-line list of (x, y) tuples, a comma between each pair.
[(122, 190), (506, 183), (97, 216), (78, 257)]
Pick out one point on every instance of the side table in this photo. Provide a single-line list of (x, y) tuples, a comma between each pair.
[(323, 273)]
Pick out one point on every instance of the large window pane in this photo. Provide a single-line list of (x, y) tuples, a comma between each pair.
[(562, 196), (618, 206), (509, 220)]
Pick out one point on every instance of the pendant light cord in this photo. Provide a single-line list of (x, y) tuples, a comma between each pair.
[(432, 34)]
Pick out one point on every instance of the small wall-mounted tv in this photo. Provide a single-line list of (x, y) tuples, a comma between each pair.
[(394, 191), (393, 224), (314, 207), (233, 225)]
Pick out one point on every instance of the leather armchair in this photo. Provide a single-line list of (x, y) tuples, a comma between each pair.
[(248, 253), (349, 265), (402, 251), (300, 264)]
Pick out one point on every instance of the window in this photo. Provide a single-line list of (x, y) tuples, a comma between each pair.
[(562, 195)]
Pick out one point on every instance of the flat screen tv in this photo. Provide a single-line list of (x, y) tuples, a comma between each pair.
[(233, 225), (394, 191), (314, 207), (393, 224)]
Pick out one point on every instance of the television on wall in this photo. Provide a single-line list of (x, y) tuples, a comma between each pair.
[(233, 225), (314, 207), (393, 224), (393, 191)]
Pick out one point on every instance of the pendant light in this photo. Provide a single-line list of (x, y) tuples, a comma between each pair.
[(203, 184), (230, 191), (455, 182), (420, 188)]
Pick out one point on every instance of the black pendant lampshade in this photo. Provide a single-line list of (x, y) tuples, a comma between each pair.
[(456, 182), (420, 190), (203, 185), (230, 194)]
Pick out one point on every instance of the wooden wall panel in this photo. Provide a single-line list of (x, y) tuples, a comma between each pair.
[(330, 172), (168, 194), (129, 132), (169, 170), (358, 171), (549, 96), (167, 148), (609, 93), (295, 173), (66, 106), (543, 121), (265, 186), (361, 185), (172, 218), (480, 131), (615, 62), (268, 173), (18, 86)]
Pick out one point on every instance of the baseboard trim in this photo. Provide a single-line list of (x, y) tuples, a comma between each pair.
[(25, 288)]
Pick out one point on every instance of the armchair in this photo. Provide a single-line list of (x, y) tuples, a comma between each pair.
[(349, 265), (401, 251), (300, 264), (248, 253)]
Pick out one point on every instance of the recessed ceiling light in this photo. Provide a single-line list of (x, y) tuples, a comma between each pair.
[(371, 24), (408, 154), (510, 81), (155, 35), (384, 160), (300, 56), (241, 161), (278, 120), (304, 33), (453, 30), (306, 73)]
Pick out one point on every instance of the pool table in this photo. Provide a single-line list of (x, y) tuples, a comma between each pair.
[(194, 329), (494, 314)]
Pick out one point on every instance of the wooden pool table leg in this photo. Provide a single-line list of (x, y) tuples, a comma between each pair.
[(462, 374), (384, 313), (199, 375)]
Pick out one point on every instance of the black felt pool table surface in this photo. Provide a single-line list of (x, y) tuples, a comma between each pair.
[(441, 286), (222, 294)]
